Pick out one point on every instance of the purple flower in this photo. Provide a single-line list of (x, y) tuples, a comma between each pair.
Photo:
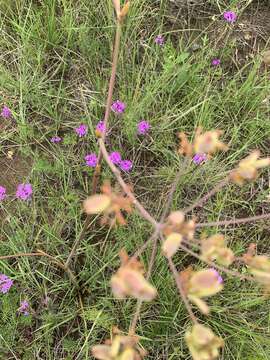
[(91, 160), (230, 16), (24, 191), (56, 139), (159, 40), (115, 157), (216, 62), (5, 283), (126, 165), (219, 277), (199, 158), (2, 193), (143, 127), (6, 112), (81, 130), (118, 107), (24, 307), (100, 128)]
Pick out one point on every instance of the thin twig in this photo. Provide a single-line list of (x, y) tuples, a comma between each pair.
[(202, 200), (154, 240), (145, 214), (181, 291), (108, 103), (78, 240), (169, 201), (219, 267), (235, 221), (100, 155)]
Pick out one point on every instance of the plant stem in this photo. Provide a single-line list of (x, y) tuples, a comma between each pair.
[(181, 291), (106, 121), (154, 239), (215, 265), (202, 200), (235, 221), (108, 103), (145, 214)]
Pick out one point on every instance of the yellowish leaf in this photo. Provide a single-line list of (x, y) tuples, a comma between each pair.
[(204, 308), (96, 204), (124, 10), (171, 244)]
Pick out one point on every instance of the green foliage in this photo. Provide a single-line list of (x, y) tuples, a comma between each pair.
[(54, 71)]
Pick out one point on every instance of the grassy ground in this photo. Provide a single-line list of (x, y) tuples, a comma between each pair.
[(54, 68)]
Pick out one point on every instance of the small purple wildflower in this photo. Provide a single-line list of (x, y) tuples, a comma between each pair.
[(230, 16), (126, 165), (81, 130), (5, 283), (219, 277), (2, 193), (24, 191), (24, 307), (100, 128), (159, 40), (115, 157), (6, 112), (91, 160), (199, 158), (118, 107), (143, 127), (56, 139), (216, 62)]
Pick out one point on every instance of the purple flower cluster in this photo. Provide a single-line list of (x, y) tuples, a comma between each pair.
[(143, 127), (126, 165), (116, 159), (81, 130), (3, 193), (56, 139), (91, 160), (24, 191), (230, 16), (100, 128), (6, 112), (199, 158), (24, 308), (216, 62), (118, 107), (159, 40), (5, 283)]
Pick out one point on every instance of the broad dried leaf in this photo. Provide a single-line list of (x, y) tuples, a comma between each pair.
[(203, 343), (124, 10), (208, 142), (101, 352), (259, 266), (96, 204), (247, 168), (176, 217), (204, 283), (129, 281), (171, 244)]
